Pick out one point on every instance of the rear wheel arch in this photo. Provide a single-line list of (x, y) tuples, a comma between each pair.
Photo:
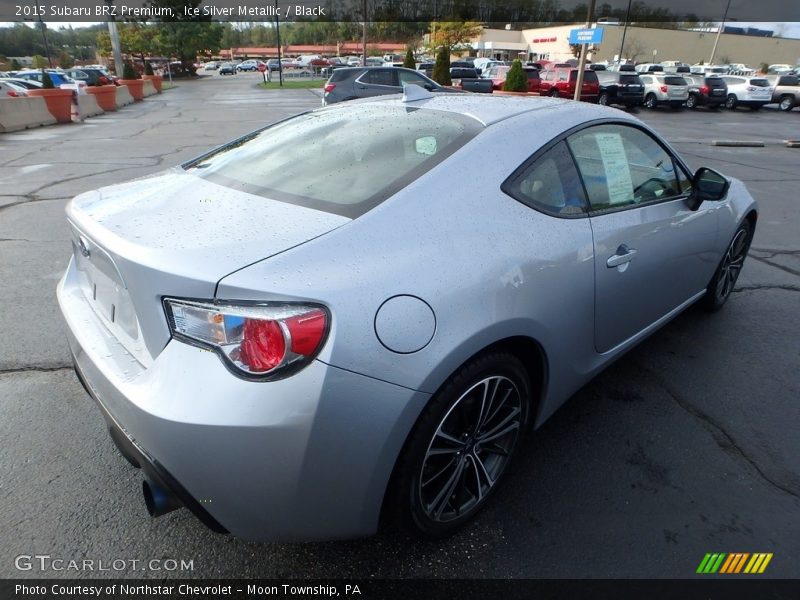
[(534, 360)]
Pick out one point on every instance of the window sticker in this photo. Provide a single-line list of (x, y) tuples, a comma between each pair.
[(615, 163)]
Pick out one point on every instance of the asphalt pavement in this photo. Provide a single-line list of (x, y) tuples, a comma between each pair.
[(687, 445)]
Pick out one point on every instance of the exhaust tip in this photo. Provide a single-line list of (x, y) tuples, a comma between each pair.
[(158, 500)]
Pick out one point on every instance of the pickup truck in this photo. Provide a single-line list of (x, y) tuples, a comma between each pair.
[(786, 91), (470, 80)]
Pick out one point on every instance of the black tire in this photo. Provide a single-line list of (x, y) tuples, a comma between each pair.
[(691, 101), (603, 99), (650, 101), (449, 447), (786, 103), (724, 280), (554, 93), (731, 102)]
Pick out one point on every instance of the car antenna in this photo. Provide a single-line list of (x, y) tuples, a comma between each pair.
[(413, 92)]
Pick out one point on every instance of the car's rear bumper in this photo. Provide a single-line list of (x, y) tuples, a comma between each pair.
[(306, 457)]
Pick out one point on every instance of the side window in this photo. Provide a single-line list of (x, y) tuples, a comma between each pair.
[(379, 77), (623, 166), (551, 184), (411, 79), (562, 76)]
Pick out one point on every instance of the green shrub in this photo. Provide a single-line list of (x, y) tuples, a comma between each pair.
[(128, 72), (47, 82), (148, 68), (441, 69), (408, 61), (516, 78), (764, 67)]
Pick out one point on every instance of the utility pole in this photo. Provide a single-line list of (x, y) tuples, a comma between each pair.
[(278, 40), (584, 52), (44, 34), (624, 31), (364, 38), (719, 32), (116, 49)]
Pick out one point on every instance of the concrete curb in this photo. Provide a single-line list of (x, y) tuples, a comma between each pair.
[(124, 96), (738, 143)]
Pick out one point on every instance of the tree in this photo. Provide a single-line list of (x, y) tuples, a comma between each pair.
[(441, 69), (516, 79), (128, 72), (15, 65), (47, 82), (65, 60), (187, 35), (454, 35), (39, 61), (408, 61)]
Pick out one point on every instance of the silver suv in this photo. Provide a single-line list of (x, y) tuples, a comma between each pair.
[(785, 91), (672, 90)]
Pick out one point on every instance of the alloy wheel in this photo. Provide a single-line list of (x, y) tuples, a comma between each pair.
[(650, 101), (731, 266), (470, 449), (786, 103)]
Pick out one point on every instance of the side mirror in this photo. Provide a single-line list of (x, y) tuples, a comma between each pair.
[(707, 184)]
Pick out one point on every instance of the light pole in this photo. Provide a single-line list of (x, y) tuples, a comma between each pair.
[(719, 32), (624, 31), (116, 49), (44, 34), (584, 52), (278, 41)]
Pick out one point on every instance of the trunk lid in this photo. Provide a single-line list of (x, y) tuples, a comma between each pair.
[(174, 234)]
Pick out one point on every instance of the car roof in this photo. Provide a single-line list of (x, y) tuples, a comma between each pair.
[(489, 109)]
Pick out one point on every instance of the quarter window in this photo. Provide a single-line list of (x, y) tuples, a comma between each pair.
[(623, 166), (551, 184), (411, 79)]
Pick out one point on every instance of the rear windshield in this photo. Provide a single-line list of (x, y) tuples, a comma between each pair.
[(789, 80), (629, 79), (674, 80), (588, 77), (346, 160), (759, 82)]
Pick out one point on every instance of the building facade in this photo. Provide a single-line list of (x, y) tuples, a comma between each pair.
[(642, 44)]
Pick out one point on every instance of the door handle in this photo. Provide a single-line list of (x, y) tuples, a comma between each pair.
[(623, 255)]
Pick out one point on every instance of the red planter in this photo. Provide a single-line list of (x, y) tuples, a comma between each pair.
[(59, 102), (156, 79), (106, 96), (135, 87)]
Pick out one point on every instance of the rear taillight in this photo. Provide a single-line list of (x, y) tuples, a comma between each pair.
[(704, 90), (104, 80), (663, 89), (329, 87), (259, 341)]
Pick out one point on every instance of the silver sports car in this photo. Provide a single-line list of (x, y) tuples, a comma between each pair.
[(331, 320)]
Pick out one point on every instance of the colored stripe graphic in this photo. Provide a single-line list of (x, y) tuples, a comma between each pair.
[(734, 563)]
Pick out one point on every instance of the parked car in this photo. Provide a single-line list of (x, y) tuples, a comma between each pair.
[(779, 69), (785, 91), (621, 88), (362, 82), (211, 66), (560, 82), (326, 359), (426, 68), (227, 68), (649, 68), (28, 84), (706, 90), (373, 61), (469, 80), (57, 77), (248, 65), (498, 74), (753, 92), (664, 89), (91, 76), (10, 89)]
